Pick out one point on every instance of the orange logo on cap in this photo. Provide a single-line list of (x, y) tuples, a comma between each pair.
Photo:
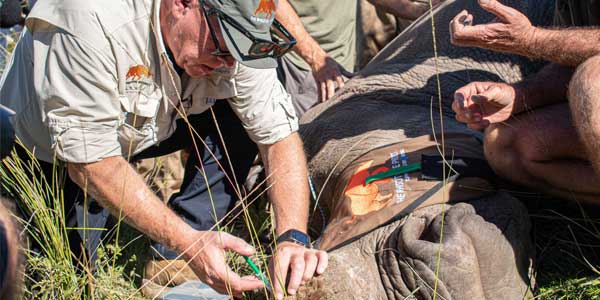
[(266, 7), (137, 72)]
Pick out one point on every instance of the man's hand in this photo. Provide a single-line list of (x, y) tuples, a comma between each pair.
[(510, 32), (209, 263), (478, 104), (302, 264), (328, 73)]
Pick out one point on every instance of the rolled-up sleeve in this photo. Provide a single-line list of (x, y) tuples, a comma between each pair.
[(263, 105), (79, 98)]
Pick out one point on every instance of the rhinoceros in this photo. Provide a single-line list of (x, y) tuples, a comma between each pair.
[(384, 242)]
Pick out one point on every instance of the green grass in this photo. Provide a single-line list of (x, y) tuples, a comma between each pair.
[(571, 289)]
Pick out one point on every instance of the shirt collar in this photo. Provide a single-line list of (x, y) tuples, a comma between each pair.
[(157, 30)]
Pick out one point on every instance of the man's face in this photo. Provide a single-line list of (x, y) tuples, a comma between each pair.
[(187, 35)]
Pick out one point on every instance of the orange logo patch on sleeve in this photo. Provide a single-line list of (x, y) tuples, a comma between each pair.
[(138, 72), (266, 7), (366, 198)]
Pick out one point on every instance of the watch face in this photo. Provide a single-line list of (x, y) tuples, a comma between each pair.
[(301, 238)]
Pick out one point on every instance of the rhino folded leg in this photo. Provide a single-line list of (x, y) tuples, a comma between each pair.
[(485, 254)]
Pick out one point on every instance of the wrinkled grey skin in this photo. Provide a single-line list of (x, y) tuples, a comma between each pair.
[(486, 250), (486, 254)]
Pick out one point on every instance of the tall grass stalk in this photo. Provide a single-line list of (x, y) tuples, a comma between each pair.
[(442, 147)]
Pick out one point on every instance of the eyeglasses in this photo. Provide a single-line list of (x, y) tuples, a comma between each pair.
[(260, 48)]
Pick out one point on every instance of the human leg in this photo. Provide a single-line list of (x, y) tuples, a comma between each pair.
[(584, 101), (541, 149)]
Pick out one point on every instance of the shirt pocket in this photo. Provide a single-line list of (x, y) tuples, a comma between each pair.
[(141, 99), (140, 105)]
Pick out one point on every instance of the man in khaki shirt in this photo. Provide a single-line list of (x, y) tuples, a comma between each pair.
[(96, 83)]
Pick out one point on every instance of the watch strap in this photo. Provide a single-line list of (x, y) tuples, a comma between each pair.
[(295, 236)]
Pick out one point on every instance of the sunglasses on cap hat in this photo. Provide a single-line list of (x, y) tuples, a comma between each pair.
[(259, 48)]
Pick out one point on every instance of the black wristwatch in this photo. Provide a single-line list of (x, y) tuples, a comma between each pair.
[(295, 236)]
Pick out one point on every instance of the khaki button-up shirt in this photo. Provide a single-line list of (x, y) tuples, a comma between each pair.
[(92, 79)]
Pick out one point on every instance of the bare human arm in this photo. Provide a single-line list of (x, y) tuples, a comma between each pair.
[(548, 86), (116, 186), (285, 166), (406, 9), (512, 32), (327, 72), (479, 104)]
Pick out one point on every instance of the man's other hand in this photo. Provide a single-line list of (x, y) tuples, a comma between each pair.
[(209, 263), (302, 264), (510, 31), (478, 104), (328, 75)]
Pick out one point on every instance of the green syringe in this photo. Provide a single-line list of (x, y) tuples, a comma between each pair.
[(257, 272)]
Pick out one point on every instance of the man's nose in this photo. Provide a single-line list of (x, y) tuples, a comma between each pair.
[(211, 61)]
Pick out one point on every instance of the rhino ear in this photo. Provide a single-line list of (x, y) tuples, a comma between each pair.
[(10, 13)]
